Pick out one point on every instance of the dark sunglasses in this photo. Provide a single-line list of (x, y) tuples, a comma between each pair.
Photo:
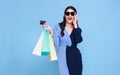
[(68, 13)]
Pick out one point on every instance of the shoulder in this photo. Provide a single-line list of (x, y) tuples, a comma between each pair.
[(57, 27)]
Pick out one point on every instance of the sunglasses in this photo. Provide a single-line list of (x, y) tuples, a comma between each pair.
[(68, 13)]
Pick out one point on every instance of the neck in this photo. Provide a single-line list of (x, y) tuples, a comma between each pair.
[(68, 25)]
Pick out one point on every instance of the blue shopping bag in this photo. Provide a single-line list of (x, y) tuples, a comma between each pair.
[(46, 43)]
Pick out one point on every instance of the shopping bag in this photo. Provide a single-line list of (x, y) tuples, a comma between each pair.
[(52, 56), (46, 43), (38, 48)]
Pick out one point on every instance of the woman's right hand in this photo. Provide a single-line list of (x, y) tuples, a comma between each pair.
[(48, 27)]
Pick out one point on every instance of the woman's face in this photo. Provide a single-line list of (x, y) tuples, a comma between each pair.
[(70, 15)]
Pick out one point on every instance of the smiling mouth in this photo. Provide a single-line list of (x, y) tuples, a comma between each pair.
[(69, 18)]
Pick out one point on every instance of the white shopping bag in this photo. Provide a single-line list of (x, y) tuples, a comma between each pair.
[(38, 48)]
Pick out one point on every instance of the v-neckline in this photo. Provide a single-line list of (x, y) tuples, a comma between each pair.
[(69, 33)]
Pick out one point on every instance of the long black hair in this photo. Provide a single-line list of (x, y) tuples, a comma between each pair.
[(62, 24)]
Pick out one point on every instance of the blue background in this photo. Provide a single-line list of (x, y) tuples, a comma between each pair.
[(20, 30)]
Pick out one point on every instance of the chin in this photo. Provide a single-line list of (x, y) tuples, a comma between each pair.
[(69, 22)]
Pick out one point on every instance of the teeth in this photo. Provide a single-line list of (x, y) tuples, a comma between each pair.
[(69, 18)]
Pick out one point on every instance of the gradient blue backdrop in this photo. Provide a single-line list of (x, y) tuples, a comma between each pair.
[(20, 30)]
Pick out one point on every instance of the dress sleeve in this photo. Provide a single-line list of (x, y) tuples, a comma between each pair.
[(77, 35), (56, 35)]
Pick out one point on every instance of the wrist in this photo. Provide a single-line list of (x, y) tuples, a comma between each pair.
[(51, 32), (75, 26)]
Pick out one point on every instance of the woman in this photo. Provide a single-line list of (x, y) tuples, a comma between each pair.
[(67, 35)]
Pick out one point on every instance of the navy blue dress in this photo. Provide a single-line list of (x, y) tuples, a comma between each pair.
[(73, 55)]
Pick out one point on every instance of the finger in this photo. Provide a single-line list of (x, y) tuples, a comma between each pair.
[(76, 17), (44, 26)]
